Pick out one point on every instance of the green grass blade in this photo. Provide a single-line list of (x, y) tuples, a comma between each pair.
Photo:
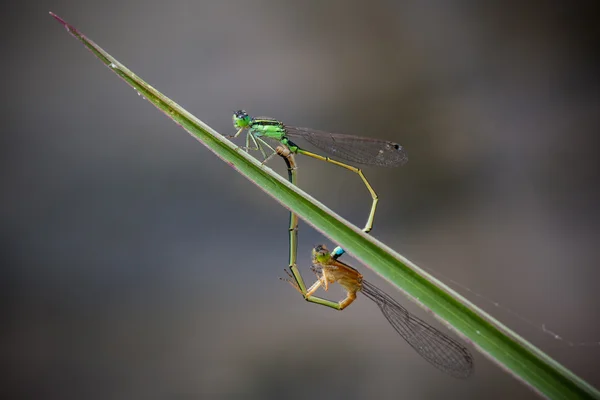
[(513, 353)]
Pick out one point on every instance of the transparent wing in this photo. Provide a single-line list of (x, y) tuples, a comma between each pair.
[(355, 149), (440, 350)]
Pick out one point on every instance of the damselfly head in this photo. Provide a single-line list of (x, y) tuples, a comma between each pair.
[(241, 119), (320, 254)]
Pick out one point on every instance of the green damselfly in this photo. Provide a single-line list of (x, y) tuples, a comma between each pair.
[(354, 149)]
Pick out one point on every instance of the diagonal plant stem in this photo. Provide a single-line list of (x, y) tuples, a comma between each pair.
[(496, 341)]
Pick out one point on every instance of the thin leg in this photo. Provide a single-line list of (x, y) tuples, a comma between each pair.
[(248, 137), (257, 146), (338, 251), (262, 151), (320, 282), (273, 151), (267, 144), (236, 134), (247, 147)]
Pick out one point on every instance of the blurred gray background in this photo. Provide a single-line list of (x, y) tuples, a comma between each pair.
[(137, 265)]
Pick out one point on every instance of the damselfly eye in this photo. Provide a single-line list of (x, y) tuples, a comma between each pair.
[(320, 248), (241, 114)]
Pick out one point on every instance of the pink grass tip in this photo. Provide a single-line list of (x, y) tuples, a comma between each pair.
[(68, 27)]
